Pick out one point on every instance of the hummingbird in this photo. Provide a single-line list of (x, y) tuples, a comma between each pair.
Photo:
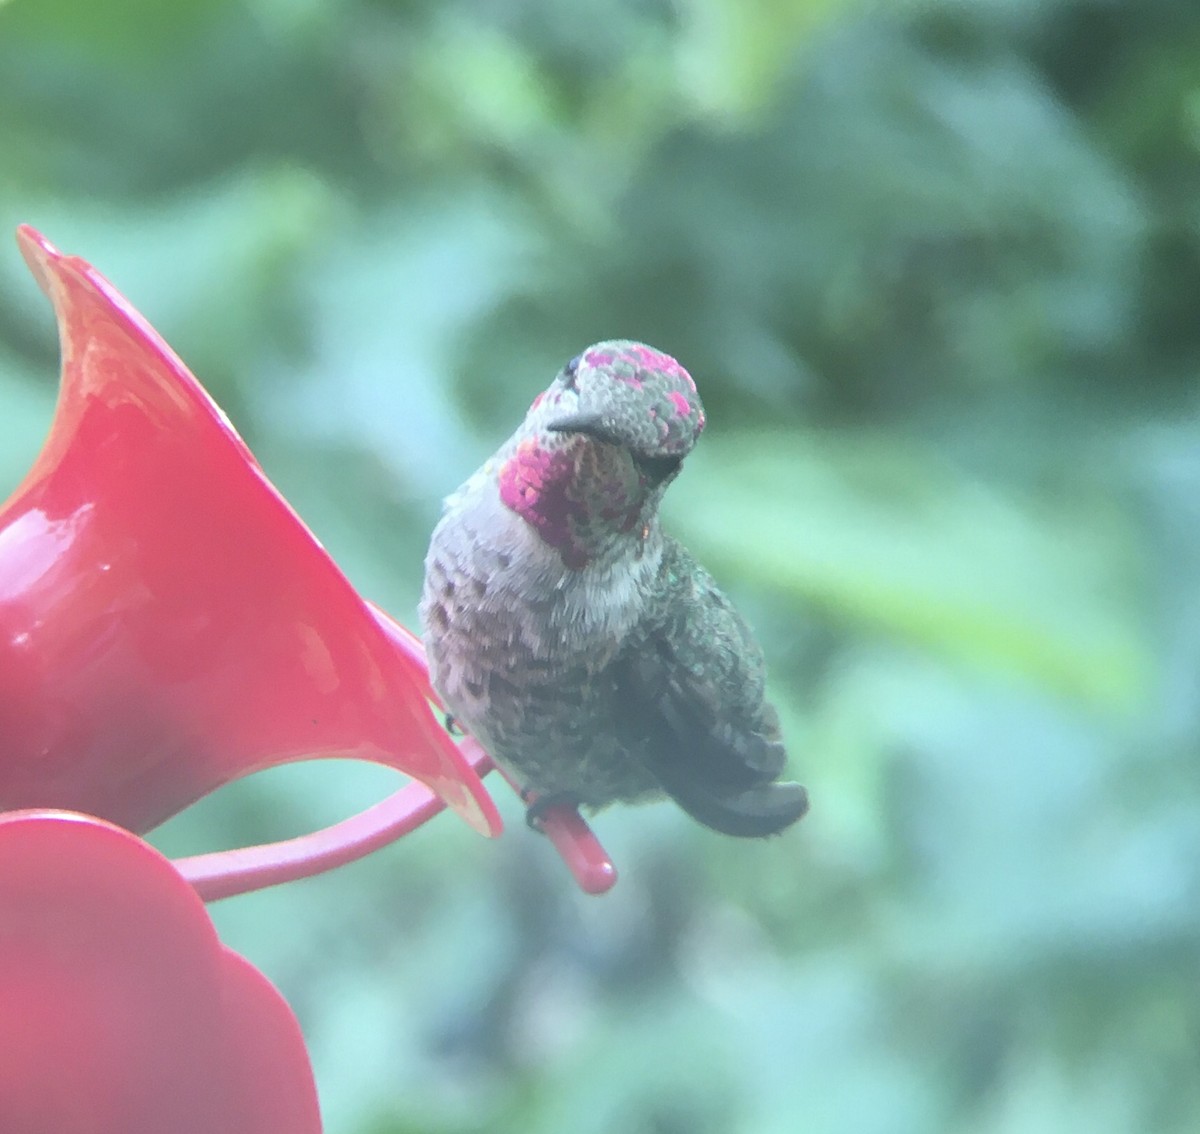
[(588, 652)]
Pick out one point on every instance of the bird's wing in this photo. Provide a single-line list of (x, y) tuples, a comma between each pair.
[(691, 691)]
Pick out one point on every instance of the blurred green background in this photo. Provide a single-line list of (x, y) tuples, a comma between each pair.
[(936, 267)]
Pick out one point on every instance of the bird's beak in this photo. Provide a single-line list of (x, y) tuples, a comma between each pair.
[(589, 424)]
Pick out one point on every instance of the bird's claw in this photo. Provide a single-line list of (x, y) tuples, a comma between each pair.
[(538, 805)]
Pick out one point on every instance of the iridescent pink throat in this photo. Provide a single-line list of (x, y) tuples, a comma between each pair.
[(539, 485)]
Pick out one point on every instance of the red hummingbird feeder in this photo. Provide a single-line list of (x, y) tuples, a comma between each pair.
[(168, 623), (122, 1009)]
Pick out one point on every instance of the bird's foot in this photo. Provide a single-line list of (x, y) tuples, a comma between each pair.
[(538, 805), (452, 725)]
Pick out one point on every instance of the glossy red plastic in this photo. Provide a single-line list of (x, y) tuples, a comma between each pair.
[(122, 1011), (167, 622)]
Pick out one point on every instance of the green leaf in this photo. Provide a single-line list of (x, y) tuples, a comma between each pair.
[(883, 537)]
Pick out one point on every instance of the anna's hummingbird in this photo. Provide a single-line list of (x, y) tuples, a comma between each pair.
[(588, 652)]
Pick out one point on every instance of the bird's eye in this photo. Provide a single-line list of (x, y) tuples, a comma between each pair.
[(569, 372), (657, 469)]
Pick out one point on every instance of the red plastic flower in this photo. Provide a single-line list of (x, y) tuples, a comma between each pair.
[(121, 1010), (167, 623)]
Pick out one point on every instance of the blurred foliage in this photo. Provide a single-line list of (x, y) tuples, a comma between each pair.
[(936, 266)]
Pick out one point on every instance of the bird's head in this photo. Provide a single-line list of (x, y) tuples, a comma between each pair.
[(599, 446)]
